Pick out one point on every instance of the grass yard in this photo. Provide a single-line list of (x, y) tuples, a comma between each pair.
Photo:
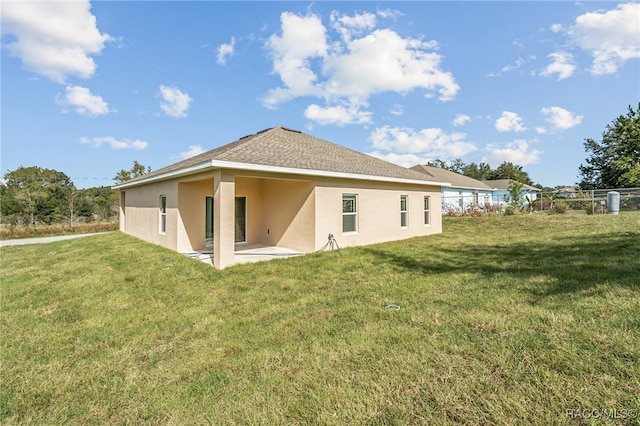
[(502, 320)]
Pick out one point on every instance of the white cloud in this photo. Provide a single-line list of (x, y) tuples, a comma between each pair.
[(84, 102), (348, 26), (191, 152), (556, 28), (176, 103), (432, 142), (610, 37), (361, 62), (225, 50), (339, 115), (509, 67), (55, 39), (382, 61), (389, 13), (397, 109), (562, 65), (404, 160), (97, 142), (509, 122), (460, 120), (560, 118), (517, 152), (302, 38), (541, 130)]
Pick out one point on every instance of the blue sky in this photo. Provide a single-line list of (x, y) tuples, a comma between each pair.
[(87, 88)]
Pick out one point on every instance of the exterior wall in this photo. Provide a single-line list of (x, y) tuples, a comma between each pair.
[(500, 195), (288, 214), (461, 200), (251, 188), (142, 218), (378, 212), (191, 210), (279, 211)]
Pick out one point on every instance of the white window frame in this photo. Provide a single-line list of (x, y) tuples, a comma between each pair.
[(427, 210), (354, 213), (162, 225), (404, 211)]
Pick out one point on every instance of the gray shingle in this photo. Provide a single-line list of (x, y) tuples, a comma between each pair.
[(456, 179)]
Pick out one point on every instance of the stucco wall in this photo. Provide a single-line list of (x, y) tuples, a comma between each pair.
[(288, 214), (378, 212), (142, 213), (191, 209), (251, 188), (459, 199)]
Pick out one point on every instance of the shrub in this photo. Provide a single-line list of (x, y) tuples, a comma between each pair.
[(559, 209)]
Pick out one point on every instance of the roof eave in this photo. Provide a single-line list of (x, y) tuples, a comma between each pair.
[(472, 187), (196, 168), (218, 164)]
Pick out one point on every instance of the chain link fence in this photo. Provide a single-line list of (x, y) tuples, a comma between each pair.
[(473, 204), (593, 201), (568, 199)]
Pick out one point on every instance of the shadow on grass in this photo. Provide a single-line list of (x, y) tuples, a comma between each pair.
[(566, 265)]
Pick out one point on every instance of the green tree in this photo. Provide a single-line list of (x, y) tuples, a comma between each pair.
[(508, 170), (515, 197), (454, 166), (480, 171), (136, 170), (438, 163), (34, 194), (614, 162), (483, 171)]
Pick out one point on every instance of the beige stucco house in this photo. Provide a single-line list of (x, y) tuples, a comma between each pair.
[(278, 187)]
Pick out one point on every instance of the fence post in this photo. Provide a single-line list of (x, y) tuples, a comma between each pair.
[(593, 202)]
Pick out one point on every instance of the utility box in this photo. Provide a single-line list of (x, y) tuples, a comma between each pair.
[(613, 202)]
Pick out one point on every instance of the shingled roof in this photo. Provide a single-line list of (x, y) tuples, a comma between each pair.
[(503, 184), (456, 179), (283, 149)]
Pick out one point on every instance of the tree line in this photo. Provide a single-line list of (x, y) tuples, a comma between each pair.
[(35, 195), (483, 171)]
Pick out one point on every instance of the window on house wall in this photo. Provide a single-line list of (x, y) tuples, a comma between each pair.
[(427, 210), (349, 213), (403, 211), (163, 214)]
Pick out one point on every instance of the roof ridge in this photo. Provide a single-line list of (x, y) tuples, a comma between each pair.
[(248, 140)]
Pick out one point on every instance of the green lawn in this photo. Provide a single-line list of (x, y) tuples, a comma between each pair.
[(502, 320)]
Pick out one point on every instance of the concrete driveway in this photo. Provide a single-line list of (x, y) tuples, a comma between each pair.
[(44, 240)]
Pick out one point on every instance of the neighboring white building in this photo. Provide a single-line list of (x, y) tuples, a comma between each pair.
[(501, 191), (464, 194)]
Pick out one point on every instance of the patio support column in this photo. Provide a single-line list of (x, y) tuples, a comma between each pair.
[(224, 220)]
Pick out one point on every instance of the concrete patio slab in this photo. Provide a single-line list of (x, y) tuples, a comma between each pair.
[(248, 253)]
